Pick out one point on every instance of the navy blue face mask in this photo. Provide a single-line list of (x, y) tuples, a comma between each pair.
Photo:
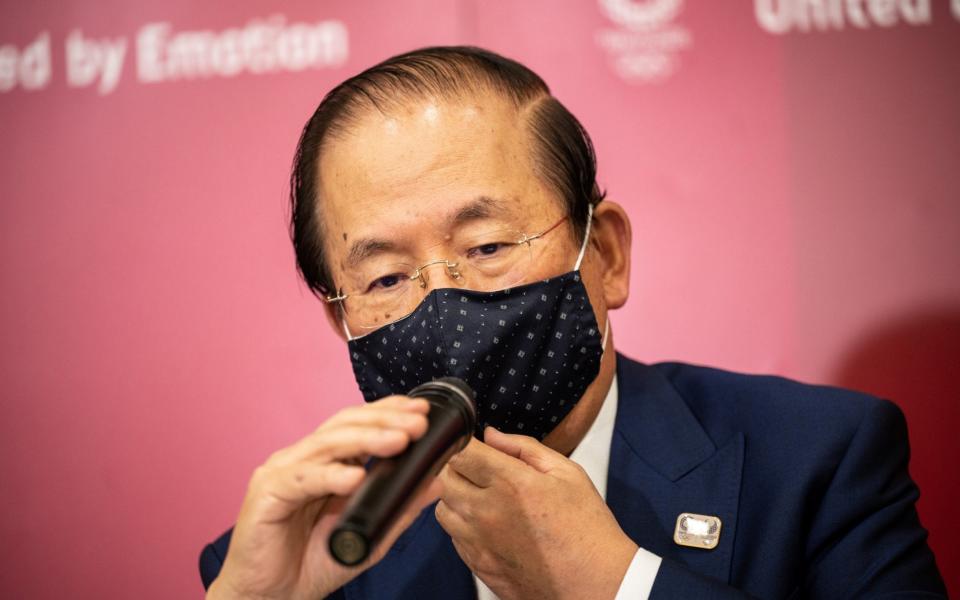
[(528, 352)]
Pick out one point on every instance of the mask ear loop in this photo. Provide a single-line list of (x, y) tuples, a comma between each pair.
[(343, 323), (586, 238), (576, 267), (606, 330)]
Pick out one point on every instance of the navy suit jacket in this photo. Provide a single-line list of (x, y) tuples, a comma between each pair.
[(810, 483)]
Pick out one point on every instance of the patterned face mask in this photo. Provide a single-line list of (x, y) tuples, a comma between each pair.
[(528, 352)]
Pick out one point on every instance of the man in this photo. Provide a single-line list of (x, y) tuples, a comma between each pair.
[(445, 208)]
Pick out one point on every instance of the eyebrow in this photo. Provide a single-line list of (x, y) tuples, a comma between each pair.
[(482, 207), (364, 248)]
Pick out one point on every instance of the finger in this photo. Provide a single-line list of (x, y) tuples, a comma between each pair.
[(277, 492), (403, 403), (388, 417), (524, 448), (348, 443), (466, 553), (482, 464), (459, 493), (451, 522), (352, 441), (391, 413)]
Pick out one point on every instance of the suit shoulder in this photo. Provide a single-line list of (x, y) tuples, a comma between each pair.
[(771, 406), (212, 557)]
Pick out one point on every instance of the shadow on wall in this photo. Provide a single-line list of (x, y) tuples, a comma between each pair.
[(915, 361)]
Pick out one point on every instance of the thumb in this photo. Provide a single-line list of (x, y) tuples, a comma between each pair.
[(523, 447)]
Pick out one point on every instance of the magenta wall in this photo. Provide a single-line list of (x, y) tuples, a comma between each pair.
[(792, 178)]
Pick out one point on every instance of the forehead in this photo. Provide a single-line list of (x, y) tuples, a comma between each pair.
[(407, 169)]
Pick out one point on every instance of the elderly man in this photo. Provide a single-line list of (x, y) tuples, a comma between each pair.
[(445, 208)]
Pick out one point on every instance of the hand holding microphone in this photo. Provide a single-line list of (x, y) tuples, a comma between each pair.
[(299, 496), (392, 482)]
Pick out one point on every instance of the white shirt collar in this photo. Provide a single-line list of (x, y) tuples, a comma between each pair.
[(593, 452)]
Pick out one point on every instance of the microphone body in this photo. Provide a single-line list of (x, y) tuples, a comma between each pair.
[(392, 482)]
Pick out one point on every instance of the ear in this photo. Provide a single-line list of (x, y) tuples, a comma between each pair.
[(611, 237)]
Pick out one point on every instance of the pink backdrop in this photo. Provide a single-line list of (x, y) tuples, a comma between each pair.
[(791, 176)]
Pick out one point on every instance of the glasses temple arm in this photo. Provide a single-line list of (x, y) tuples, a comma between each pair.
[(530, 238)]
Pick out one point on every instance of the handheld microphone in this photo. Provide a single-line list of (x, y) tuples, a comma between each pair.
[(391, 482)]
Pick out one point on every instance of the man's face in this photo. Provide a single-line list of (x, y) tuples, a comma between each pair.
[(400, 185)]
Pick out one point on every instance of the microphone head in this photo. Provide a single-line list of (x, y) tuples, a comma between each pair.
[(451, 391), (461, 386)]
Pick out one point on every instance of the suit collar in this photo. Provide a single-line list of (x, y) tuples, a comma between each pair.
[(656, 423), (663, 463)]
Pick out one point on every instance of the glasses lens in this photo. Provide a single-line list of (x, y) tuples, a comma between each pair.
[(387, 294), (488, 262), (494, 260)]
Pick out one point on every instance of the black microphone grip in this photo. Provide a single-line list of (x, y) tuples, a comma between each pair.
[(391, 483)]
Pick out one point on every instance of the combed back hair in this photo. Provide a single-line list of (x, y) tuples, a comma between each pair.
[(563, 155)]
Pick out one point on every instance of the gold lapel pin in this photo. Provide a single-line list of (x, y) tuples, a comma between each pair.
[(697, 531)]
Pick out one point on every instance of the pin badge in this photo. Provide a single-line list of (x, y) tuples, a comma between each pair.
[(697, 531)]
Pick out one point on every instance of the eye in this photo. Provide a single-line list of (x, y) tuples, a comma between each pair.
[(485, 250), (386, 282)]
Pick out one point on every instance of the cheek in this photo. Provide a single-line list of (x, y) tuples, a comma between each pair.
[(561, 254)]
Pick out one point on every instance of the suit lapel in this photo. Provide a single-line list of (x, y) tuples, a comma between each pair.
[(422, 564), (662, 463)]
